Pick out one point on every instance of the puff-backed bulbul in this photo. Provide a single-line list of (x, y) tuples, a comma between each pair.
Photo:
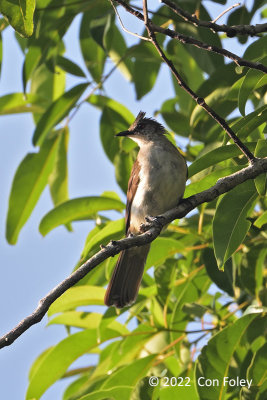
[(156, 185)]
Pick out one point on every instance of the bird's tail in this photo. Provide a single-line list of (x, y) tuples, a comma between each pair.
[(126, 278)]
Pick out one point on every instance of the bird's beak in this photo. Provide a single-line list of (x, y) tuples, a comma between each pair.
[(123, 133)]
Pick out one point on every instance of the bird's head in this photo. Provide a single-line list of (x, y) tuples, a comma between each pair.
[(144, 129)]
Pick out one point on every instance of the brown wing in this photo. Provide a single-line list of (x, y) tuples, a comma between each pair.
[(132, 187)]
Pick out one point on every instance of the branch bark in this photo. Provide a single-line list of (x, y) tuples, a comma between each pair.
[(205, 46), (194, 42), (231, 31), (114, 247), (199, 100)]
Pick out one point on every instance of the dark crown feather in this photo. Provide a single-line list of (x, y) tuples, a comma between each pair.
[(141, 119)]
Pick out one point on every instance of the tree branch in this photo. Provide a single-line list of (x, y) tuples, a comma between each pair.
[(230, 31), (195, 42), (226, 11), (205, 46), (154, 228), (199, 100)]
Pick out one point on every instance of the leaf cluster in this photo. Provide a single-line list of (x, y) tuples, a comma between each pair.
[(200, 311)]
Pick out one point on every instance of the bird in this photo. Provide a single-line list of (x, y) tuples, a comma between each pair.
[(156, 184)]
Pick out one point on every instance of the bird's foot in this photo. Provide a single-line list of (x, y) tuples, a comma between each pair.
[(158, 221)]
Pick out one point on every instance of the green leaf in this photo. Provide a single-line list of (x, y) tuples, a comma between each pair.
[(93, 54), (261, 180), (19, 14), (146, 68), (261, 220), (252, 270), (45, 46), (98, 27), (30, 180), (245, 126), (161, 249), (177, 121), (117, 50), (143, 390), (110, 124), (240, 16), (257, 371), (48, 86), (209, 180), (230, 224), (19, 103), (115, 118), (123, 163), (248, 85), (189, 290), (185, 391), (256, 50), (58, 179), (216, 357), (79, 209), (127, 350), (57, 111), (58, 359), (103, 102), (31, 61), (115, 393), (76, 297), (111, 230), (70, 67), (79, 319), (223, 279), (1, 52), (130, 374), (215, 156)]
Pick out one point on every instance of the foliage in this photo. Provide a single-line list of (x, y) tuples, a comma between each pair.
[(182, 287)]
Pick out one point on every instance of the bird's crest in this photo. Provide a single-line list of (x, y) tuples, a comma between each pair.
[(141, 118)]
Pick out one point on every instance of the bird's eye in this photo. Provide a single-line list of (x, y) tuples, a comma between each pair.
[(141, 126)]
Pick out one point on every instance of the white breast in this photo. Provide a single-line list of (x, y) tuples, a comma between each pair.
[(162, 182)]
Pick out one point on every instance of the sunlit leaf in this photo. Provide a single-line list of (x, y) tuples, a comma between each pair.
[(19, 15), (146, 68), (19, 103), (161, 249), (261, 180), (57, 111), (70, 67), (215, 156), (30, 180), (215, 358), (77, 210), (230, 224), (77, 296), (94, 56), (58, 179), (249, 83), (58, 359), (261, 220), (111, 230)]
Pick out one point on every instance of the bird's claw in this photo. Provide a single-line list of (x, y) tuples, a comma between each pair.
[(150, 221)]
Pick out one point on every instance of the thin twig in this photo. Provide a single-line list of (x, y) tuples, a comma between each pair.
[(125, 29), (226, 11), (205, 46), (199, 100), (195, 42), (230, 31), (99, 85), (222, 186)]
